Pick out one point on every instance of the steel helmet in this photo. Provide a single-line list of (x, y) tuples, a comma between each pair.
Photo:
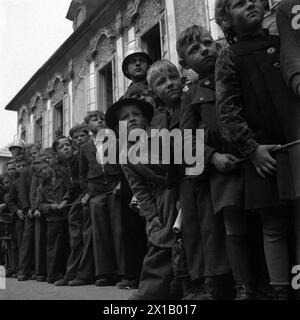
[(133, 49), (18, 143)]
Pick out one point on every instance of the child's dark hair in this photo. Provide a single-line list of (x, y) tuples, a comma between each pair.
[(56, 142), (222, 19), (187, 36), (92, 114)]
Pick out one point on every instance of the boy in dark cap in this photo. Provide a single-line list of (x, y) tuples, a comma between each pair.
[(157, 203)]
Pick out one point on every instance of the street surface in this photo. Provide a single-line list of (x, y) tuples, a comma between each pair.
[(33, 290)]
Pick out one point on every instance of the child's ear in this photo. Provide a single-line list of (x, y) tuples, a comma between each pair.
[(183, 64)]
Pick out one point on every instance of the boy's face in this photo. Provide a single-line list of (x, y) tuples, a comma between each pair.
[(134, 117), (80, 138), (21, 166), (5, 184), (11, 169), (137, 67), (95, 124), (15, 151), (246, 16), (64, 149), (34, 153), (45, 171), (201, 56), (167, 86)]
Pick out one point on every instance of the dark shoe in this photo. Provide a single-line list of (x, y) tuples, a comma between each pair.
[(53, 280), (280, 293), (195, 294), (61, 283), (33, 277), (78, 283), (23, 277), (243, 292), (210, 289), (128, 284), (105, 282), (40, 278), (136, 297)]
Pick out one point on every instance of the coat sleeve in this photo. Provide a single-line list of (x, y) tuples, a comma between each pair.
[(25, 182), (43, 206), (33, 192), (290, 44), (142, 192), (230, 108), (12, 200), (191, 119), (83, 170)]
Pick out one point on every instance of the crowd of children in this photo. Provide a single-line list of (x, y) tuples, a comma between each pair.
[(76, 219)]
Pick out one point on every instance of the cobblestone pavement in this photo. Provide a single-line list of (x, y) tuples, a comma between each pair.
[(33, 290)]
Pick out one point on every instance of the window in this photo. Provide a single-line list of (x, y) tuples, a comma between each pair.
[(66, 115), (105, 86), (91, 93), (58, 119), (38, 132), (30, 130), (47, 126), (215, 30), (151, 43)]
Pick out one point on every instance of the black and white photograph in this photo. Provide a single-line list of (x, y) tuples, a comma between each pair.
[(149, 151)]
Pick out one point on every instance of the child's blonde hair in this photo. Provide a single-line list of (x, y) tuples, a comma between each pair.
[(161, 66)]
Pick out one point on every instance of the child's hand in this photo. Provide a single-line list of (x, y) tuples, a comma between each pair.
[(30, 213), (117, 190), (262, 160), (37, 214), (62, 204), (85, 199), (54, 206), (223, 162), (20, 214)]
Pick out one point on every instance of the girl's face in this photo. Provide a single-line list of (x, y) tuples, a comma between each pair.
[(64, 149), (246, 16)]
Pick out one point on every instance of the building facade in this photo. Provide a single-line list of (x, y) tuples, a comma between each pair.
[(85, 73)]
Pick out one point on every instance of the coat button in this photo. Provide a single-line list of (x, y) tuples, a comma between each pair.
[(271, 50), (276, 65), (207, 82), (202, 99)]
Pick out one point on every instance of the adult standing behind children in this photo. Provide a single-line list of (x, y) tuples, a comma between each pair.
[(135, 66)]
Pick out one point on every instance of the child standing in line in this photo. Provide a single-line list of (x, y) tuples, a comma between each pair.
[(157, 204), (100, 183), (251, 100), (210, 193), (51, 201)]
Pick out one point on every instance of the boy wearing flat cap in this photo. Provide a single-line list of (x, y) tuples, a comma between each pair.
[(157, 203)]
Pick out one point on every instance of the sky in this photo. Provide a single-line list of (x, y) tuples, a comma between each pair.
[(30, 32)]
